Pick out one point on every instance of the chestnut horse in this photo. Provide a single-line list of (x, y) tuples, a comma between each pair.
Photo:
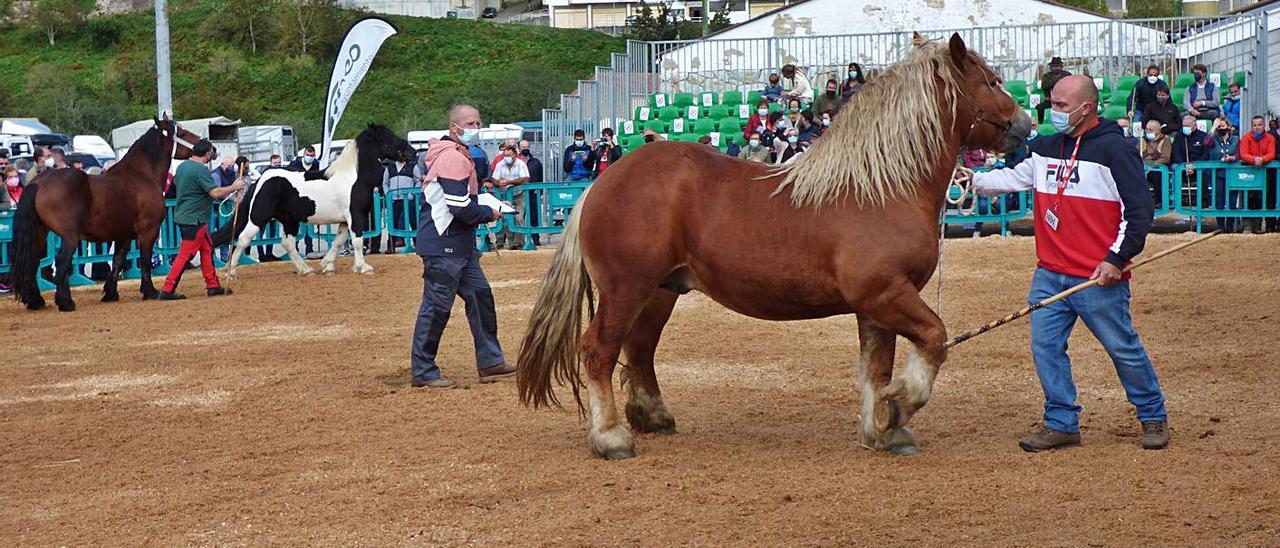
[(850, 227), (122, 204)]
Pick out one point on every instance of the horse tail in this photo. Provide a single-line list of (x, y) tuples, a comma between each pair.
[(230, 231), (25, 257), (552, 342)]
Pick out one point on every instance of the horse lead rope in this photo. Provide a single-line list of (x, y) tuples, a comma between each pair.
[(959, 175)]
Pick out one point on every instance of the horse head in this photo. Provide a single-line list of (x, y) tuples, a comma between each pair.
[(174, 137), (386, 143), (987, 117)]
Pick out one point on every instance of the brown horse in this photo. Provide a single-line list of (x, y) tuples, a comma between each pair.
[(784, 243), (123, 204)]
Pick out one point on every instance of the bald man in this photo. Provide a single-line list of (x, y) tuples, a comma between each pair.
[(446, 241), (1092, 213)]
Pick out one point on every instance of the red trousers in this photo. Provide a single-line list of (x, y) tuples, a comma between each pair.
[(193, 240)]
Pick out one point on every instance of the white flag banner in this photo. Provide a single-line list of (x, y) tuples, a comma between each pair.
[(354, 57)]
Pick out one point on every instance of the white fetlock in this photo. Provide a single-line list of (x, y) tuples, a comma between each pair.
[(328, 268), (362, 268), (306, 271), (612, 444), (231, 275)]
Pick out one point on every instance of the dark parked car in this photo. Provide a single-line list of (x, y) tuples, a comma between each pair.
[(87, 159), (489, 13)]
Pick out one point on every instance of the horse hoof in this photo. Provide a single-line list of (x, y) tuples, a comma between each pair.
[(111, 297), (36, 306), (150, 295), (888, 416), (306, 272), (67, 307), (905, 450), (620, 454)]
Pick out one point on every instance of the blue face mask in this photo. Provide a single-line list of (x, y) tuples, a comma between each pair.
[(1151, 135), (754, 143), (826, 122), (762, 111), (1186, 131), (469, 136), (1257, 135), (793, 139)]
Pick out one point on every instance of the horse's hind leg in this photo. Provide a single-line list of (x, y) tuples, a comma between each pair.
[(326, 264), (875, 364), (63, 262), (645, 409), (908, 315), (40, 242), (608, 437), (290, 244), (146, 247), (109, 293)]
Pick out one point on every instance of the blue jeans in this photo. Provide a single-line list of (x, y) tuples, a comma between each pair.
[(1105, 311), (444, 277)]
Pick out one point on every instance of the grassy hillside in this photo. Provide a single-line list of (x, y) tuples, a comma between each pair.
[(102, 75)]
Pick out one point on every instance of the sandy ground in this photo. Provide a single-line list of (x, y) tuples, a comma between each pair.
[(280, 415)]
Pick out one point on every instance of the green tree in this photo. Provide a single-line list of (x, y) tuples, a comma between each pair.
[(313, 27), (58, 17), (1139, 9), (244, 22), (652, 25), (540, 87)]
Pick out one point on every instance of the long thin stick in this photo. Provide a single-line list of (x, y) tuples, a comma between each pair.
[(1081, 287)]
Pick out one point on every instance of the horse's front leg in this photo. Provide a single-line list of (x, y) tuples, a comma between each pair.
[(109, 292), (875, 365), (905, 313), (327, 263), (358, 228)]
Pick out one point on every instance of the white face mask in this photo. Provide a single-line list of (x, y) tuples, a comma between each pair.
[(1151, 135), (509, 160), (48, 162), (754, 143), (1152, 79)]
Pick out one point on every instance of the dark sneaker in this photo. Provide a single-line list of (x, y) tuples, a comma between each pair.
[(433, 383), (215, 291), (171, 296), (1047, 439), (1155, 434), (497, 373)]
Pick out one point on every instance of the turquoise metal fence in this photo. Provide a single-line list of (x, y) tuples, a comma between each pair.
[(1224, 191)]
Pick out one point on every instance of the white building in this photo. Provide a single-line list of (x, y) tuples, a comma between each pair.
[(609, 14), (461, 9)]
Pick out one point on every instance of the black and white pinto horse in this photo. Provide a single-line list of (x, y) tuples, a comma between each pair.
[(342, 194)]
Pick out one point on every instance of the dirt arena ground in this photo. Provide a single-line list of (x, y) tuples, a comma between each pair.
[(281, 415)]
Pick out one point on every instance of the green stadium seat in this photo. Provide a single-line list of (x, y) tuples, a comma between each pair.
[(743, 111), (630, 127), (1103, 84), (730, 126), (1046, 129), (1177, 96), (668, 114), (1017, 88), (634, 142), (683, 99), (707, 99), (753, 98), (656, 125), (1222, 80), (659, 100), (679, 126), (731, 98), (645, 114), (1239, 78), (704, 126), (1184, 80), (717, 112), (775, 107), (694, 112), (1120, 97), (1115, 112), (1126, 83)]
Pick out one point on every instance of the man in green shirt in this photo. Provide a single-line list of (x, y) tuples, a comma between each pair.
[(195, 192)]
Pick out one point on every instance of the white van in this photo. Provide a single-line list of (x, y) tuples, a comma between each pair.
[(95, 145)]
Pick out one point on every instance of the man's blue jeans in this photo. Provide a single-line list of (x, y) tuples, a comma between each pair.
[(1105, 311), (442, 278)]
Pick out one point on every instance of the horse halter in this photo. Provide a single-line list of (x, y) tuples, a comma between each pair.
[(980, 115), (174, 137)]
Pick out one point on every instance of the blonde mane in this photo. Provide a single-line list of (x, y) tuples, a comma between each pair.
[(346, 162), (885, 140)]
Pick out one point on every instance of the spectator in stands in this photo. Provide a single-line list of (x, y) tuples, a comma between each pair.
[(796, 84), (773, 91), (59, 158), (509, 177), (225, 174), (706, 140), (306, 162), (755, 150), (1129, 136), (1144, 93), (1202, 98), (78, 165), (807, 128), (1047, 82), (1257, 147), (42, 161), (446, 242), (579, 159), (853, 83), (607, 151), (732, 148), (509, 143), (792, 148), (12, 193), (1275, 132), (1190, 144), (758, 119), (652, 136), (822, 125), (974, 158), (771, 131), (1156, 151), (1231, 105), (1223, 147), (276, 162), (792, 118), (535, 176), (1163, 112), (830, 99)]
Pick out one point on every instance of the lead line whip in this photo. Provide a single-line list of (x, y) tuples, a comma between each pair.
[(988, 327)]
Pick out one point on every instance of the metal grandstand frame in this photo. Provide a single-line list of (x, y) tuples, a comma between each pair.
[(1110, 49)]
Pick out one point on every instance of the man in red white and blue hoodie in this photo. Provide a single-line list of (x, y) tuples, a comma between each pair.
[(1092, 213)]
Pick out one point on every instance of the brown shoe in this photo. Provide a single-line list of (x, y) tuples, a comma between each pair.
[(433, 383), (1155, 434), (1047, 439), (497, 373)]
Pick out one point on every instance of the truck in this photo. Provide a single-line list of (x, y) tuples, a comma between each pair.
[(259, 143)]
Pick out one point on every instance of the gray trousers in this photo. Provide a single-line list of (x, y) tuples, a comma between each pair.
[(442, 278)]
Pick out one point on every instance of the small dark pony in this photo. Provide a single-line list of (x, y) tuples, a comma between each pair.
[(121, 205)]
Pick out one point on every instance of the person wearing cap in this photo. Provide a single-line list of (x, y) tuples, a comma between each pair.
[(1047, 82), (195, 192)]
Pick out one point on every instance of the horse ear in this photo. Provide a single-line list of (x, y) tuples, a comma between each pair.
[(959, 53), (917, 39)]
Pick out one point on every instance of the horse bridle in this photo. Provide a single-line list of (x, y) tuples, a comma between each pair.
[(174, 150), (980, 115)]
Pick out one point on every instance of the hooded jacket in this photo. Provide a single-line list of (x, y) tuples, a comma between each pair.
[(1105, 210), (449, 201)]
